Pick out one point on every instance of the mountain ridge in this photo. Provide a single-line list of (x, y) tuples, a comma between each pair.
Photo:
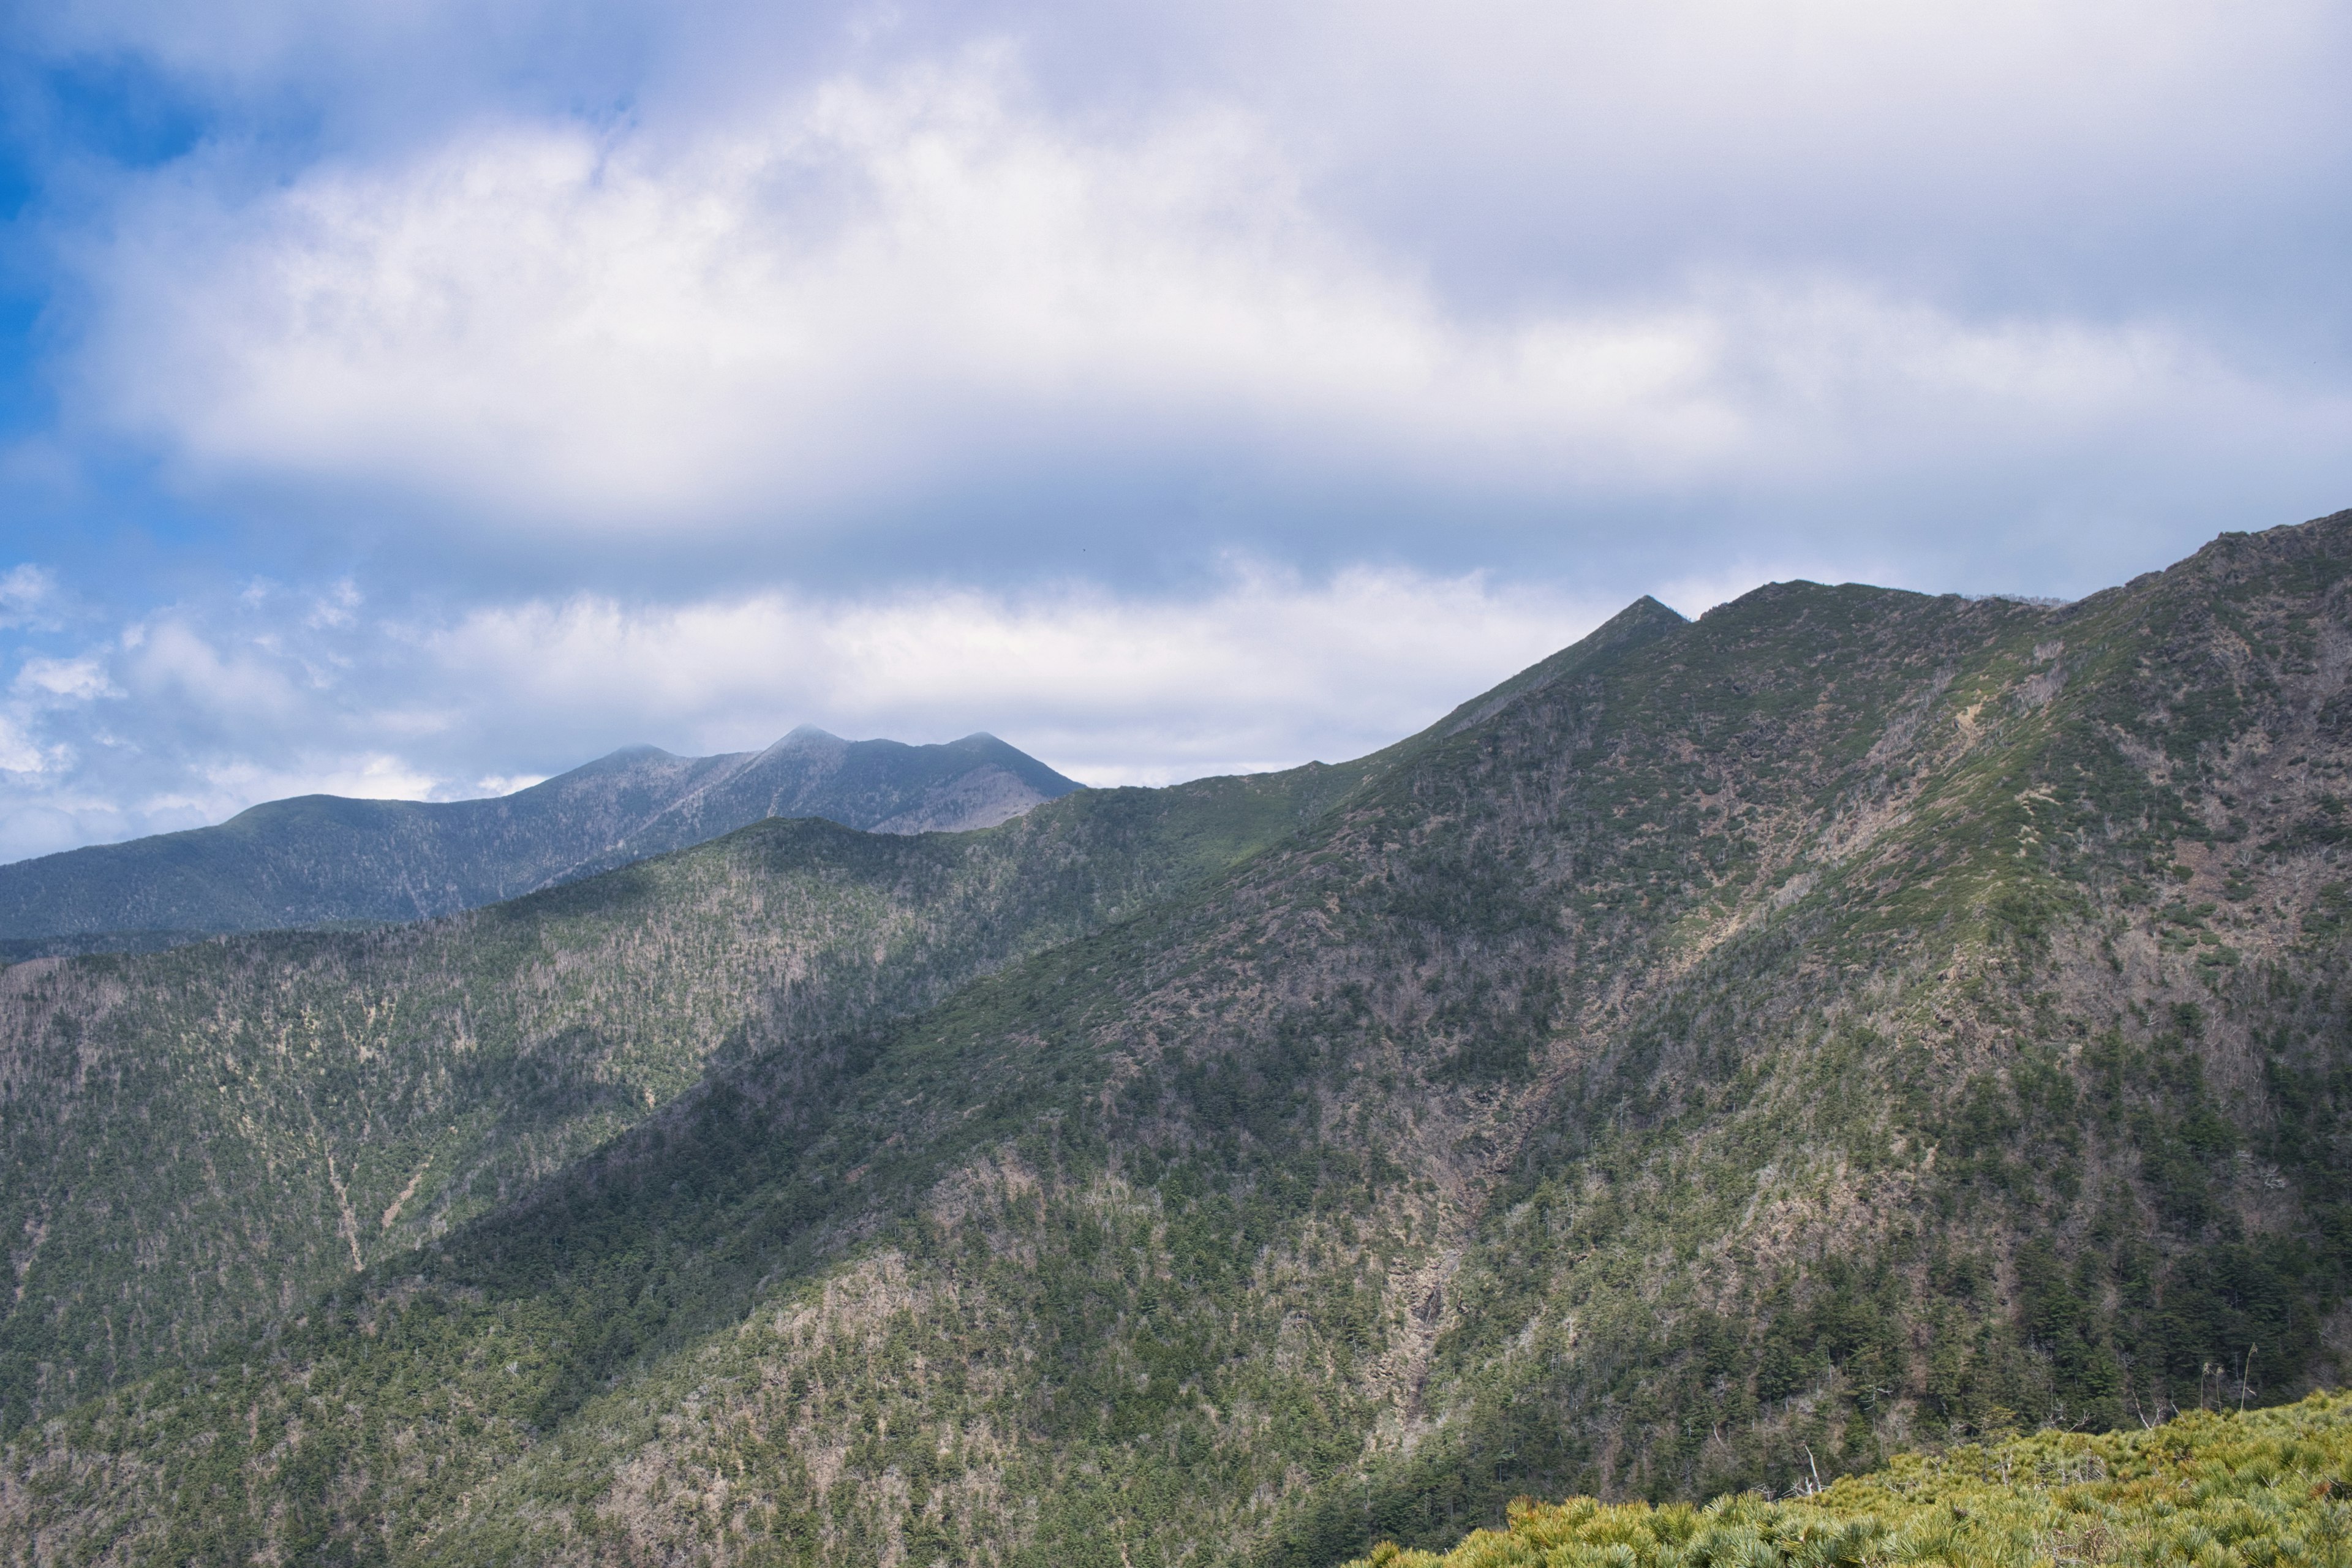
[(428, 1071), (1853, 1020), (328, 861)]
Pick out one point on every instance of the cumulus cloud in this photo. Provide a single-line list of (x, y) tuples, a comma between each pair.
[(878, 291)]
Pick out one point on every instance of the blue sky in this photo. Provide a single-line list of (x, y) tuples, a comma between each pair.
[(420, 399)]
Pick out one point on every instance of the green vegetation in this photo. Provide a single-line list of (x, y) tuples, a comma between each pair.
[(1729, 1053), (2263, 1487), (198, 1141)]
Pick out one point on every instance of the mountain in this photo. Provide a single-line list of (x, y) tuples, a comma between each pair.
[(323, 860), (1726, 1052), (193, 1140)]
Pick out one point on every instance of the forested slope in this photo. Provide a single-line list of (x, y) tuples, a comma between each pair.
[(195, 1141), (1732, 1048)]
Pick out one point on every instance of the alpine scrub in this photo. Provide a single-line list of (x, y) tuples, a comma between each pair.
[(2216, 1490)]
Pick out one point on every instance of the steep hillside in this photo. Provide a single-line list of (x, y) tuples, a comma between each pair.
[(1729, 1050), (195, 1140), (321, 861)]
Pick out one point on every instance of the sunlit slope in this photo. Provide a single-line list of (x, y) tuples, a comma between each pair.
[(194, 1141), (1854, 1020), (2262, 1487), (2004, 1092)]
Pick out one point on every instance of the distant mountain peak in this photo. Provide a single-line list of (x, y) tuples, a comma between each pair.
[(619, 757), (332, 860)]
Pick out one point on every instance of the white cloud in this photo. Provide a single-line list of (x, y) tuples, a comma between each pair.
[(172, 659), (1267, 672), (488, 785), (74, 679), (18, 754), (28, 596), (885, 289), (226, 788), (214, 711), (335, 607)]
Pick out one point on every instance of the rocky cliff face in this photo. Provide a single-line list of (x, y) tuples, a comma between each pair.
[(1727, 1049)]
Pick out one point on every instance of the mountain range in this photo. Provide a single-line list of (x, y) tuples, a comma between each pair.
[(324, 861), (1726, 1052)]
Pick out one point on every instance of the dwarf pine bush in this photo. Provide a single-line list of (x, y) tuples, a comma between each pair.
[(2267, 1487)]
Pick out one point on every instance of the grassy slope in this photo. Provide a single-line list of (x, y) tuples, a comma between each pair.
[(1857, 1018), (197, 1141), (2263, 1487)]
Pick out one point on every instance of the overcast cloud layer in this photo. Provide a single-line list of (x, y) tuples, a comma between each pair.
[(416, 400)]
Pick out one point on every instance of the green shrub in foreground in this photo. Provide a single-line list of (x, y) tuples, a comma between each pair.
[(2215, 1491)]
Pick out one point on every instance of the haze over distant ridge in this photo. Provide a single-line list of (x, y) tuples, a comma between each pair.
[(324, 859)]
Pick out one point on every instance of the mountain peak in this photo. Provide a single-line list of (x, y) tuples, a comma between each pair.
[(326, 859), (619, 760), (1643, 619)]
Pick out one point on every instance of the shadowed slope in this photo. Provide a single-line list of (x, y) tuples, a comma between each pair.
[(195, 1140)]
